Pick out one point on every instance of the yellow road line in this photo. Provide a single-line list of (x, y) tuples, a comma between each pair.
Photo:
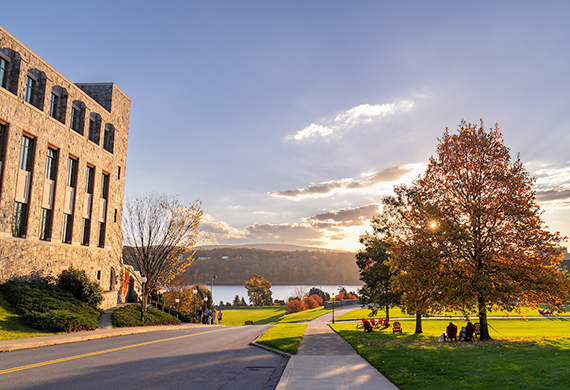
[(21, 368)]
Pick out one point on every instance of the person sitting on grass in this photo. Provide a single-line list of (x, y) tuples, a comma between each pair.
[(469, 330), (451, 332)]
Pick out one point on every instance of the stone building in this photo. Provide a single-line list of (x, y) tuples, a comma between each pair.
[(63, 150)]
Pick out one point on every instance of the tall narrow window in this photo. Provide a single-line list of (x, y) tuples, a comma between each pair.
[(23, 188), (76, 122), (94, 133), (30, 90), (3, 130), (103, 216), (51, 163), (105, 186), (109, 138), (89, 177), (19, 221), (3, 72), (46, 217), (67, 228), (26, 154), (71, 172), (69, 203), (87, 204), (45, 224), (53, 105)]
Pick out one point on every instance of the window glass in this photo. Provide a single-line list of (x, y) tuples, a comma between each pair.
[(18, 223), (71, 172), (105, 186), (26, 154), (45, 225), (67, 228), (74, 123), (85, 231), (53, 102), (89, 179), (3, 72), (30, 88), (50, 164), (101, 241)]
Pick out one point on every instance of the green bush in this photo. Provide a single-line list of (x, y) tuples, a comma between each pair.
[(76, 282), (47, 307), (130, 315), (59, 321)]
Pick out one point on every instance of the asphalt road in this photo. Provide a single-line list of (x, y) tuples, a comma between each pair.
[(212, 358)]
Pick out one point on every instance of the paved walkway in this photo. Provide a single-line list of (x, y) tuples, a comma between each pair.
[(326, 361)]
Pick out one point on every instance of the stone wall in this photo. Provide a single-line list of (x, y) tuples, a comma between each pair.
[(27, 256)]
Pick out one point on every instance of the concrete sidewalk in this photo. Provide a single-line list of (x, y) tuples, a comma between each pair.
[(105, 330), (326, 361)]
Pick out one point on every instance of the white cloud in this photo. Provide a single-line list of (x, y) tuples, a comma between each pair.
[(311, 131), (363, 114)]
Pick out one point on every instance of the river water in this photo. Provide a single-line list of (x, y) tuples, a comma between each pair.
[(227, 293)]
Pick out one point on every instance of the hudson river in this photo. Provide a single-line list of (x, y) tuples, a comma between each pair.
[(227, 293)]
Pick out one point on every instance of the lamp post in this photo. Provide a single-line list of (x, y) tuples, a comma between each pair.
[(143, 280), (212, 288), (333, 308), (194, 292)]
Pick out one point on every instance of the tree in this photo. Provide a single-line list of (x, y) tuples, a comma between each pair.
[(236, 301), (317, 291), (258, 290), (493, 247), (376, 274), (408, 228), (159, 234)]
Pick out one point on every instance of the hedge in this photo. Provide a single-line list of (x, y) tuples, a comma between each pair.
[(47, 307)]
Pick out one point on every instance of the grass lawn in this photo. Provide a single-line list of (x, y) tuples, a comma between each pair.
[(259, 315), (533, 354), (307, 315), (284, 337), (10, 326)]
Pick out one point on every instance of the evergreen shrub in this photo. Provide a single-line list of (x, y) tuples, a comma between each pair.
[(77, 282), (47, 307), (130, 315)]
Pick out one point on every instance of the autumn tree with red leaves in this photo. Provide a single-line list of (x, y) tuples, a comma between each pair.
[(491, 247)]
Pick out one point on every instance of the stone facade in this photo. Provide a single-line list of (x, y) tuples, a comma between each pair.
[(51, 218)]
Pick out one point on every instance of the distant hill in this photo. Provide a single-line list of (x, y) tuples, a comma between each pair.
[(233, 265), (272, 247)]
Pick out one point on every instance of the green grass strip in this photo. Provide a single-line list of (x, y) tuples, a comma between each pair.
[(262, 315), (307, 315), (283, 337)]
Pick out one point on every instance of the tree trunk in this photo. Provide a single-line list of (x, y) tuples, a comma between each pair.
[(387, 313), (144, 298), (484, 327), (418, 323)]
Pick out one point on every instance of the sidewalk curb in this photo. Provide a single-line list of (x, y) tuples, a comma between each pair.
[(275, 351)]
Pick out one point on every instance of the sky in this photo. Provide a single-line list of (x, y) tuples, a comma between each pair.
[(290, 120)]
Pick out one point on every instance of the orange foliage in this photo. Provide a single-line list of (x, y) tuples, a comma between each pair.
[(295, 306)]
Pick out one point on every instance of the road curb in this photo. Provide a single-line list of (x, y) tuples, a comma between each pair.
[(45, 341)]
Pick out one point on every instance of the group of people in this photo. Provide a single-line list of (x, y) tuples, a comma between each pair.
[(209, 317), (466, 333)]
